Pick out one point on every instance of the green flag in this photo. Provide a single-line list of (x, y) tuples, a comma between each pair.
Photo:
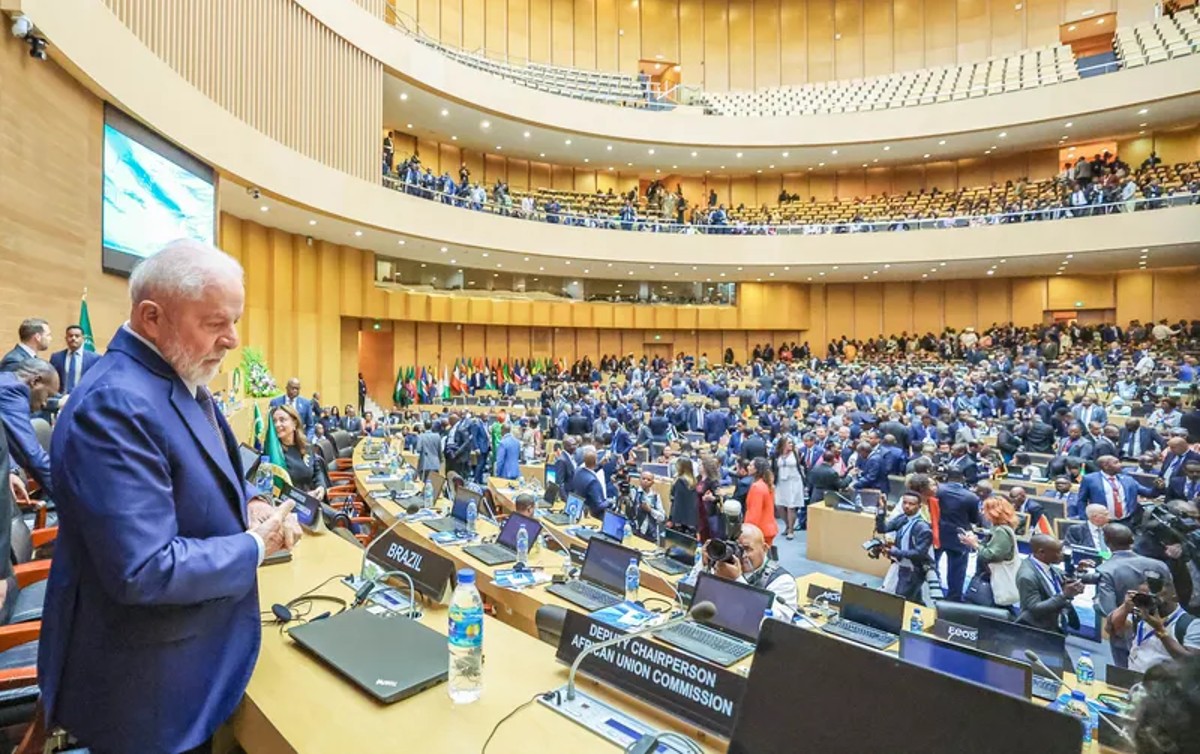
[(398, 389), (85, 324), (272, 449), (258, 428)]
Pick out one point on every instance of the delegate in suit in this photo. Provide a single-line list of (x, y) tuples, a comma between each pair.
[(429, 452), (302, 405), (508, 455), (1045, 593), (33, 338), (23, 392), (73, 362), (151, 620), (1112, 488), (959, 509), (1124, 571)]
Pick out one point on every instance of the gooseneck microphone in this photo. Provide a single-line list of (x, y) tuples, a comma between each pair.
[(368, 587), (701, 611), (1037, 662)]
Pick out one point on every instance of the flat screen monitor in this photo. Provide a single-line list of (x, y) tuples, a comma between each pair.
[(1011, 640), (855, 707), (605, 563), (999, 673), (574, 506), (551, 476), (153, 193), (872, 607)]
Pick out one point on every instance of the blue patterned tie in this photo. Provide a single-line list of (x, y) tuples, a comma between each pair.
[(71, 357), (204, 398)]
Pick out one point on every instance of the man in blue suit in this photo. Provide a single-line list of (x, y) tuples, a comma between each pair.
[(586, 484), (23, 392), (1089, 411), (872, 468), (151, 622), (508, 455), (1185, 486), (73, 362), (302, 405), (1112, 488), (564, 467), (716, 424), (958, 509)]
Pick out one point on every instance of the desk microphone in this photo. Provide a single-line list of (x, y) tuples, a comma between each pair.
[(1037, 662), (566, 551), (368, 587), (701, 611)]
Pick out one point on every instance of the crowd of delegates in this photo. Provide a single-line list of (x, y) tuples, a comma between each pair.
[(950, 413), (1101, 185)]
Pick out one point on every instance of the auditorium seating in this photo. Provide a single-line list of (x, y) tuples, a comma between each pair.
[(1027, 69), (1160, 40)]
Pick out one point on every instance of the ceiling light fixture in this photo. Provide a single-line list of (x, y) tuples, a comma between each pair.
[(649, 151), (739, 155), (526, 134), (453, 261), (401, 242), (403, 96), (785, 154), (833, 151), (485, 124), (1068, 124), (314, 222), (453, 138), (264, 208), (927, 155), (567, 142), (408, 126), (444, 249), (358, 232), (445, 112), (484, 255), (693, 154)]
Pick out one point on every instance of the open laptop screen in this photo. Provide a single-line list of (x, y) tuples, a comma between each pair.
[(605, 564), (872, 607), (508, 535), (740, 607)]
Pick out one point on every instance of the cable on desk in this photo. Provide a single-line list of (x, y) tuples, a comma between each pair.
[(505, 719)]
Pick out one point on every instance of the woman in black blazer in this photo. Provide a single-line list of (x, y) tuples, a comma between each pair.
[(305, 466)]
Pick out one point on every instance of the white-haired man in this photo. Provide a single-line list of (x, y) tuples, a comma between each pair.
[(151, 620)]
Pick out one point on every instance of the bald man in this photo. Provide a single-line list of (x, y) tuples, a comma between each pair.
[(756, 569), (151, 621)]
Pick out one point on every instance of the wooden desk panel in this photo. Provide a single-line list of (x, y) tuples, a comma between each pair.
[(835, 537)]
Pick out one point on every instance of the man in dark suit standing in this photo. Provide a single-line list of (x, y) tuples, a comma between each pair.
[(586, 484), (149, 640), (912, 549), (429, 452), (24, 392), (34, 339), (1185, 486), (74, 361), (1136, 439), (1123, 572), (1045, 593), (303, 407), (564, 466), (958, 509)]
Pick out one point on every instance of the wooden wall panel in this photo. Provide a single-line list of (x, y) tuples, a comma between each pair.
[(940, 24), (960, 304), (928, 308), (767, 68), (1175, 294), (1081, 291), (607, 37), (452, 21), (793, 27), (584, 31), (839, 310), (562, 32), (821, 50), (972, 32), (716, 45), (518, 29), (539, 31), (848, 39), (868, 311), (877, 39), (1135, 296), (741, 45), (897, 307), (994, 302)]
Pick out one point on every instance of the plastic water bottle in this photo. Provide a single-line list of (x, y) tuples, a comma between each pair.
[(633, 578), (1085, 670), (1078, 706), (522, 545), (466, 640), (768, 614), (472, 517), (626, 533), (428, 495), (263, 478), (915, 624)]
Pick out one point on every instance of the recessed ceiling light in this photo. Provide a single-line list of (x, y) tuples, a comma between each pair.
[(927, 155), (453, 261), (1143, 125), (1004, 134), (770, 167), (498, 264), (585, 272), (568, 261), (835, 267), (495, 274), (693, 154), (444, 250), (933, 269), (676, 274), (821, 274), (422, 264), (991, 272), (358, 232), (264, 208), (453, 138), (1018, 6), (875, 160), (674, 166), (445, 112), (739, 154), (401, 242), (1058, 273), (409, 126), (924, 274), (864, 164), (722, 274), (722, 167), (810, 279), (785, 154), (887, 149), (820, 165), (1145, 251), (403, 96), (567, 142), (526, 259), (629, 164), (586, 159), (498, 147), (652, 267), (942, 143), (833, 151), (941, 264), (866, 277), (1003, 261), (526, 134), (1068, 124), (760, 170), (1071, 27), (485, 124), (609, 147), (610, 167), (484, 255), (541, 154), (771, 274), (1070, 256), (1142, 132), (314, 222), (1088, 12), (541, 269)]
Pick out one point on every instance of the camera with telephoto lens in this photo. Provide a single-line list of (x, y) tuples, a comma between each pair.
[(722, 551), (1166, 527), (1088, 575)]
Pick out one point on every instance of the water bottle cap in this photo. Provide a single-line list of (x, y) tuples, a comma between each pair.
[(633, 561), (1085, 654), (466, 576), (1079, 695)]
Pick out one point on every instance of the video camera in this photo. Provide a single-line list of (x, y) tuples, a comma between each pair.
[(1168, 528)]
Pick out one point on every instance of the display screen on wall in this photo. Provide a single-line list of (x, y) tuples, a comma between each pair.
[(154, 193)]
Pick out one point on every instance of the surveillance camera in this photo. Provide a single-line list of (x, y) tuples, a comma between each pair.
[(37, 47), (253, 192), (21, 27)]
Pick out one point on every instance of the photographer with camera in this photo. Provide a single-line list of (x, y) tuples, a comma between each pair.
[(745, 560), (1124, 571), (1159, 629), (1045, 593), (912, 550), (1169, 533)]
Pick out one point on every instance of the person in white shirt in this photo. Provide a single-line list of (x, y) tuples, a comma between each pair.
[(1090, 533), (1157, 634), (1145, 365), (1162, 331), (756, 569)]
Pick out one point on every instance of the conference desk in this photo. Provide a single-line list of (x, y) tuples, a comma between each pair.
[(294, 703), (534, 472), (836, 537)]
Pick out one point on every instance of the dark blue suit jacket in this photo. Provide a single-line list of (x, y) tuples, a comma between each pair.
[(958, 509), (303, 408), (587, 485), (564, 474), (874, 474), (23, 444), (1091, 490), (151, 626), (58, 360)]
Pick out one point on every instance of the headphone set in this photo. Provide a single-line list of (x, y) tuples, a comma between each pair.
[(300, 608)]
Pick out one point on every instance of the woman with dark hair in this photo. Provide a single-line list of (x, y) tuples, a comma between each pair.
[(788, 472), (760, 500), (685, 507), (1168, 715), (306, 468)]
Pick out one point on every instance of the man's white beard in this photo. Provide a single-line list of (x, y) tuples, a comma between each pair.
[(191, 372)]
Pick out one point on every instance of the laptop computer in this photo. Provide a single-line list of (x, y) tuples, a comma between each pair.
[(568, 515), (869, 616), (733, 631), (601, 582), (679, 553), (1010, 640), (417, 656), (457, 520), (504, 549), (1000, 673), (438, 482), (1122, 678), (612, 526), (659, 470)]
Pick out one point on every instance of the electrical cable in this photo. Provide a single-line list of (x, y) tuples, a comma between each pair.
[(505, 719)]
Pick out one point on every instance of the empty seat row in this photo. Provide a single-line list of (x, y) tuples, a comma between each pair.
[(1156, 41)]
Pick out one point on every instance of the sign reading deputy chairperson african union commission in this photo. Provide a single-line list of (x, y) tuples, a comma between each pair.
[(684, 686)]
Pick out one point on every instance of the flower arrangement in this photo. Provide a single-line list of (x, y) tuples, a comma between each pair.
[(259, 382)]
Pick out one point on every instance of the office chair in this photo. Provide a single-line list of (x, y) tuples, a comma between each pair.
[(549, 620), (967, 614), (41, 428)]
